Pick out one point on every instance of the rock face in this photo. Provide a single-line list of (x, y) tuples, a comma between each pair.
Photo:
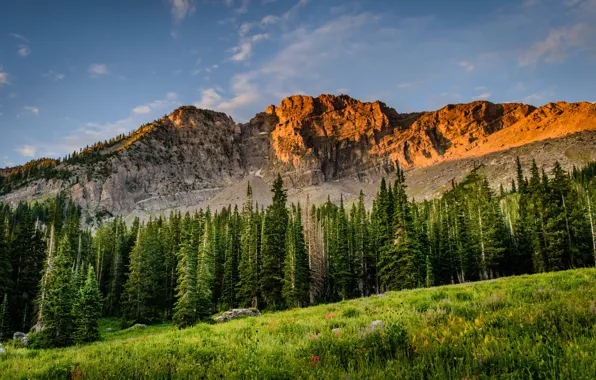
[(237, 314), (192, 156)]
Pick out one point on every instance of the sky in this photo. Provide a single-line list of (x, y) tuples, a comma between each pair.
[(76, 72)]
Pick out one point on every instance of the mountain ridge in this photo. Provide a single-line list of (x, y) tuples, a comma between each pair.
[(189, 156)]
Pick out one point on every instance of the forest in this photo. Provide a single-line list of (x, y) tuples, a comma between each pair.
[(58, 279)]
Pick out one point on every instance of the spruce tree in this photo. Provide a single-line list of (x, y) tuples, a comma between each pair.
[(86, 310), (274, 246), (185, 308), (4, 319), (248, 285), (57, 321), (205, 272)]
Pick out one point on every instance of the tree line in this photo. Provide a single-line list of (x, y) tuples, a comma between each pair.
[(58, 279)]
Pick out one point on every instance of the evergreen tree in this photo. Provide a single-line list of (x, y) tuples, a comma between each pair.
[(274, 246), (185, 309), (296, 283), (57, 320), (204, 273), (248, 285), (86, 310), (4, 319)]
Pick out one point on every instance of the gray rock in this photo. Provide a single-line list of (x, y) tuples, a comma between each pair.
[(236, 314), (25, 341), (139, 326), (109, 329), (18, 335), (377, 325), (2, 350)]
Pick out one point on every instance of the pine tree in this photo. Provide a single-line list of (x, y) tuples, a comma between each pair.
[(274, 246), (205, 273), (185, 308), (86, 310), (248, 285), (296, 282), (57, 327), (4, 319)]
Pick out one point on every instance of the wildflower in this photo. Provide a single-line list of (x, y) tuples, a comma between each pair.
[(315, 359), (337, 332), (329, 316)]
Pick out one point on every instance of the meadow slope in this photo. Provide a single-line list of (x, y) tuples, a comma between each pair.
[(527, 327)]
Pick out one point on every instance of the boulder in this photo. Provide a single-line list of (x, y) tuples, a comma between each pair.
[(376, 325), (139, 326), (22, 337), (2, 350), (236, 314)]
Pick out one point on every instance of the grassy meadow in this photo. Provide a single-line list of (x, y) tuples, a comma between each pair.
[(527, 327)]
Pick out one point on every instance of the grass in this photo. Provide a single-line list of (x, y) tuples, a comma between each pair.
[(526, 327)]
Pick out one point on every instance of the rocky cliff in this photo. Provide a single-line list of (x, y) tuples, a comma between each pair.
[(326, 144)]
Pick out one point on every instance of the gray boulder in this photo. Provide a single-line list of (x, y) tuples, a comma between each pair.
[(236, 314), (22, 337), (2, 350), (139, 326), (376, 325)]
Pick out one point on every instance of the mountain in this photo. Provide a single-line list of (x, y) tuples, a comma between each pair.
[(323, 147)]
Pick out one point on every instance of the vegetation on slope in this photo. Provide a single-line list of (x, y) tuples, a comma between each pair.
[(539, 327)]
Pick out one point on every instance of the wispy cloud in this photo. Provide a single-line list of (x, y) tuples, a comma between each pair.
[(19, 37), (243, 7), (31, 109), (54, 75), (27, 150), (209, 99), (181, 9), (24, 50), (170, 100), (466, 65), (3, 77), (294, 10), (243, 51), (556, 47), (483, 96), (98, 69)]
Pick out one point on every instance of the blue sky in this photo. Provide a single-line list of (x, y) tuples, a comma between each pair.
[(75, 72)]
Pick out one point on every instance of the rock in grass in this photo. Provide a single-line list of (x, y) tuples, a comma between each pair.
[(139, 326), (236, 314), (24, 338), (376, 325), (2, 350)]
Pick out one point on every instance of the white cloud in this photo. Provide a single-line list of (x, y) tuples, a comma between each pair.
[(54, 75), (243, 51), (292, 12), (558, 44), (19, 37), (209, 99), (181, 9), (32, 109), (97, 69), (170, 100), (27, 150), (466, 65), (483, 96), (24, 50), (269, 20), (243, 8), (3, 77)]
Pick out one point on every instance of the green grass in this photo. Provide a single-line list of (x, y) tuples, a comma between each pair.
[(527, 327)]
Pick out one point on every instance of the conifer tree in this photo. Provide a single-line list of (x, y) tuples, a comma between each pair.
[(185, 308), (86, 310), (274, 246), (57, 321), (204, 273), (248, 285), (296, 271), (4, 319)]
